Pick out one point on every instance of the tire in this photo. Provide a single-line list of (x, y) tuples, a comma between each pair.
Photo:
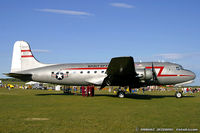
[(178, 95), (121, 94)]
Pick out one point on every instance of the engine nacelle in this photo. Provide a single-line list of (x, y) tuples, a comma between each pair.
[(144, 74)]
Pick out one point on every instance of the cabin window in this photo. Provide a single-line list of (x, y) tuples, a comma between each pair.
[(95, 71), (88, 72), (102, 71), (67, 72), (81, 72), (181, 67)]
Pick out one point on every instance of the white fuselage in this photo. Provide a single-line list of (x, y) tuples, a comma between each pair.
[(94, 73)]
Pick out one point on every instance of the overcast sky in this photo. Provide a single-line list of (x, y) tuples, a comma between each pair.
[(66, 31)]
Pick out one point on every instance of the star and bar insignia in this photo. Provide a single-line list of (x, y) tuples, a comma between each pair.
[(59, 75)]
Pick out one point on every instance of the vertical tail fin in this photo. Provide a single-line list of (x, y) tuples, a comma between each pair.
[(23, 58)]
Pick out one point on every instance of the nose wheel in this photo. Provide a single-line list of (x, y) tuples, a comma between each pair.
[(178, 94)]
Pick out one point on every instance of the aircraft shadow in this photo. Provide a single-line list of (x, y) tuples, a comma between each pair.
[(130, 96), (54, 94), (149, 97), (142, 96)]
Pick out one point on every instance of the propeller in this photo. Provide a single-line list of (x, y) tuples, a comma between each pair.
[(130, 89), (155, 78)]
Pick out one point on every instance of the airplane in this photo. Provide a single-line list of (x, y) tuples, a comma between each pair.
[(121, 71)]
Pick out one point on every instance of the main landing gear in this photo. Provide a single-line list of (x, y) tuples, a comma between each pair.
[(121, 94), (178, 94)]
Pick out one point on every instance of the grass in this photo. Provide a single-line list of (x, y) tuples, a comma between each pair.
[(40, 111)]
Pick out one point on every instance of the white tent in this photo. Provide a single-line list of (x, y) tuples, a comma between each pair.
[(58, 87), (31, 83), (35, 85)]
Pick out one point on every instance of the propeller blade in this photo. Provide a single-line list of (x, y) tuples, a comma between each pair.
[(130, 89), (155, 79)]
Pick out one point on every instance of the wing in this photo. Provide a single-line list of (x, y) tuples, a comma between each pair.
[(121, 72), (24, 77)]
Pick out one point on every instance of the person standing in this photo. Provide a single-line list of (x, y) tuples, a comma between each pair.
[(9, 87), (143, 90), (83, 90), (88, 90), (75, 90), (187, 90), (92, 90)]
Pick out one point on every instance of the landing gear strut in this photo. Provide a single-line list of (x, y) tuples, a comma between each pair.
[(178, 94)]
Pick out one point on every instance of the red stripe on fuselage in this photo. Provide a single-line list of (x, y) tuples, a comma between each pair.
[(164, 75), (156, 67), (88, 68)]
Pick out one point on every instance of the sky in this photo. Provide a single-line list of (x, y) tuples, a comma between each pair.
[(74, 31)]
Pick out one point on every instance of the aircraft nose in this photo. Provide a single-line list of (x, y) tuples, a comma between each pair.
[(193, 75)]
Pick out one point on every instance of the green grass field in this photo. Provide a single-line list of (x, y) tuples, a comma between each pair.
[(37, 111)]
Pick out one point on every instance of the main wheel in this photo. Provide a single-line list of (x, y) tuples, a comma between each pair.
[(178, 95), (121, 94)]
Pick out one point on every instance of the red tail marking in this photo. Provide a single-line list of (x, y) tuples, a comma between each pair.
[(26, 50), (25, 56)]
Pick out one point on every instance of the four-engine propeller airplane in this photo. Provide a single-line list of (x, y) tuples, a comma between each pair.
[(121, 71)]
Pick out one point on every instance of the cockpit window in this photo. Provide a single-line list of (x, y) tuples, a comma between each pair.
[(178, 68)]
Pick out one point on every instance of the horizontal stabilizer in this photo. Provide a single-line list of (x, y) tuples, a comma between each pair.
[(23, 77)]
